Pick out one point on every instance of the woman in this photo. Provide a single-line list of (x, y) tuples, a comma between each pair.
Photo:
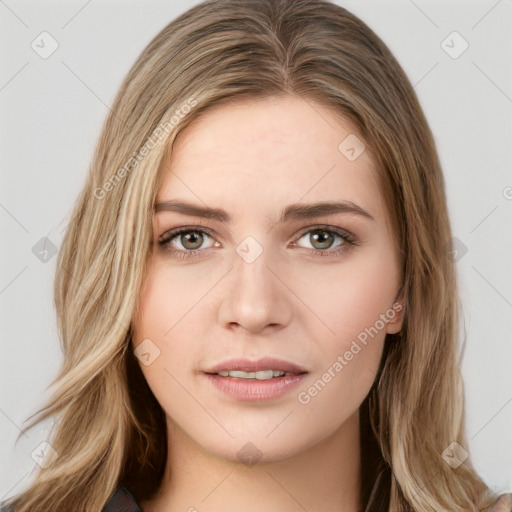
[(302, 353)]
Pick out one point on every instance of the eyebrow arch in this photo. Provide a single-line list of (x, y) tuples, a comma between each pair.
[(297, 211)]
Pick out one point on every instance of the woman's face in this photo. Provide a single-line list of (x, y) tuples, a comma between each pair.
[(312, 288)]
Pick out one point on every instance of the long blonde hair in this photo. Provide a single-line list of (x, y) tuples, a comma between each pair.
[(110, 428)]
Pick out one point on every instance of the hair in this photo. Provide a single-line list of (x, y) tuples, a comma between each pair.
[(110, 429)]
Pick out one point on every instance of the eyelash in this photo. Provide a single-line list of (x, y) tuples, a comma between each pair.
[(165, 239)]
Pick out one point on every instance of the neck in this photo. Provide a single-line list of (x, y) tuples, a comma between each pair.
[(323, 477)]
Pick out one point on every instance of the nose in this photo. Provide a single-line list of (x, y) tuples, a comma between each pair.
[(255, 295)]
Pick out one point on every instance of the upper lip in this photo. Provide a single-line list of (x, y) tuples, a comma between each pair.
[(255, 365)]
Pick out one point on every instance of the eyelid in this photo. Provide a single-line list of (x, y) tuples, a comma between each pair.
[(168, 235), (329, 227), (210, 231), (348, 239)]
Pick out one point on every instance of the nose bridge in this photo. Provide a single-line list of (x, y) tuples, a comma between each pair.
[(255, 298), (251, 266)]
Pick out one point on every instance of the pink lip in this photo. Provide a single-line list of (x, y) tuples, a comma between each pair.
[(252, 390), (265, 363)]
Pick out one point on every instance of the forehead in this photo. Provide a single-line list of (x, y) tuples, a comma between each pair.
[(261, 154)]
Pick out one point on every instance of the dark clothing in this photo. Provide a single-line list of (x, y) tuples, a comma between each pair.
[(121, 501)]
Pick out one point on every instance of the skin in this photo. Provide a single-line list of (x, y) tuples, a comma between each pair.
[(251, 158)]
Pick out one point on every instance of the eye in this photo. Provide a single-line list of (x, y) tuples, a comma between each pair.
[(188, 241), (185, 240), (322, 238)]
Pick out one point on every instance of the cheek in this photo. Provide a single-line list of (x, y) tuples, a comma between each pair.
[(348, 299), (349, 327), (172, 311), (159, 313), (169, 298), (162, 309), (337, 391)]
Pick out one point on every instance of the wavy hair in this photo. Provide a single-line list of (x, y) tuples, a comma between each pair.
[(110, 429)]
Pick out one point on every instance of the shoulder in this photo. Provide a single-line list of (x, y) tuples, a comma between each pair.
[(120, 501), (5, 508), (502, 504)]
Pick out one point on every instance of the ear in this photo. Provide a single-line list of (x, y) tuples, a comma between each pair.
[(395, 315)]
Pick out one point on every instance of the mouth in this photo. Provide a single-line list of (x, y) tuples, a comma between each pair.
[(263, 379), (259, 375), (261, 369)]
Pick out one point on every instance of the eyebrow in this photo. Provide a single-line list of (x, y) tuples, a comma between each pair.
[(292, 212)]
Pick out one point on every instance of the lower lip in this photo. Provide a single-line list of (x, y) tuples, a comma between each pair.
[(252, 390)]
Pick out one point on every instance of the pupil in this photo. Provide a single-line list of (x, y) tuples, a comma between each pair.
[(189, 237), (320, 237)]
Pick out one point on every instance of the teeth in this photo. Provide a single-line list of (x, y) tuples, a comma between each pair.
[(261, 375)]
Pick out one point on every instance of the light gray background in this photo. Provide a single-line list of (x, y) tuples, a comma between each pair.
[(51, 112)]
